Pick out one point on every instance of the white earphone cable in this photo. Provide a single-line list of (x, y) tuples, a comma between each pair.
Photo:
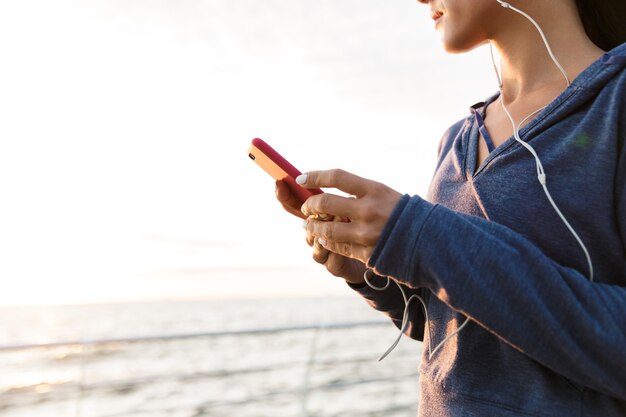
[(405, 317), (543, 36), (541, 175)]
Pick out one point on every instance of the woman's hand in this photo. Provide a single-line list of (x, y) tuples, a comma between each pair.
[(368, 210), (349, 269)]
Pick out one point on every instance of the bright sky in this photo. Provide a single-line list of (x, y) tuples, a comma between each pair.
[(124, 128)]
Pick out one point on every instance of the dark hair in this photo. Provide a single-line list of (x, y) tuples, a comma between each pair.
[(604, 21)]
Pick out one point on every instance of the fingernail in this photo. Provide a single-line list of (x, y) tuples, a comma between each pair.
[(301, 179), (304, 223), (322, 242)]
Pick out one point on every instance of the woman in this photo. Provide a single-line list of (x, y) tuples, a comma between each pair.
[(519, 250)]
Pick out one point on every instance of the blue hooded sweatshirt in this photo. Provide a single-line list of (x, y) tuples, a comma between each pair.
[(543, 339)]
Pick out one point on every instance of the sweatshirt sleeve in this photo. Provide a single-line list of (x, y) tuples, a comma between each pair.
[(581, 324)]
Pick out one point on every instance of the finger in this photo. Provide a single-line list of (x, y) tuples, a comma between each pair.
[(336, 264), (347, 249), (320, 253), (323, 205), (325, 217), (310, 239), (335, 178), (335, 231), (347, 269), (288, 200)]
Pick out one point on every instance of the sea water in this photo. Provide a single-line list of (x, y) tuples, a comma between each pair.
[(315, 372)]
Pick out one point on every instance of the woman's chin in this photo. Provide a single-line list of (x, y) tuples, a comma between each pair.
[(457, 46)]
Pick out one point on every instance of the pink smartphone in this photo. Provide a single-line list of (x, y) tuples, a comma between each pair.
[(279, 168)]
